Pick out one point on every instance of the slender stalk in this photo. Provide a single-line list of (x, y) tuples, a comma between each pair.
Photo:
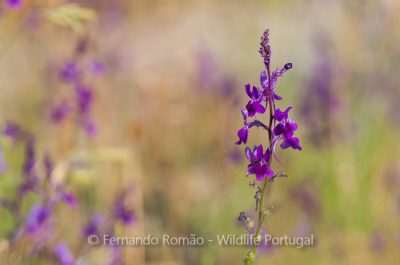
[(251, 255)]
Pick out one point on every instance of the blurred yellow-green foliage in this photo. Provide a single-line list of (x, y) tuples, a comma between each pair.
[(167, 108)]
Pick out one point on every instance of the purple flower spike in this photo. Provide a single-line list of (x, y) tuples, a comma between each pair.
[(13, 4), (64, 255), (279, 129), (36, 218)]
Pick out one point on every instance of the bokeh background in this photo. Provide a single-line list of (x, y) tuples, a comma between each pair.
[(166, 81)]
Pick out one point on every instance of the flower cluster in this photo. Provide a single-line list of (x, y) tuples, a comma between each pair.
[(280, 127), (75, 73), (280, 130), (39, 223)]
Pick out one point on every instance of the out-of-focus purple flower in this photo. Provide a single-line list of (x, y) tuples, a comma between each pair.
[(60, 112), (93, 227), (36, 218), (321, 100), (259, 163), (90, 127), (69, 72), (12, 130), (29, 184), (227, 86), (69, 199), (97, 67), (235, 156), (13, 4), (121, 213), (64, 255), (2, 161), (84, 97)]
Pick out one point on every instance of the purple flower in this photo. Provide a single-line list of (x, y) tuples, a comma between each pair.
[(69, 199), (286, 129), (254, 105), (282, 115), (259, 163), (278, 128), (121, 213), (69, 73), (84, 97), (90, 127), (242, 134), (36, 218), (93, 227), (97, 67), (13, 4), (60, 112), (13, 131), (292, 142), (64, 255)]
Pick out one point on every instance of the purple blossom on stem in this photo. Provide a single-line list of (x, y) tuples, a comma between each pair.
[(259, 163), (279, 129), (254, 105)]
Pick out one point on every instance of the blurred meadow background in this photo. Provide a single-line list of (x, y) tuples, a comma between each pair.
[(121, 116)]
